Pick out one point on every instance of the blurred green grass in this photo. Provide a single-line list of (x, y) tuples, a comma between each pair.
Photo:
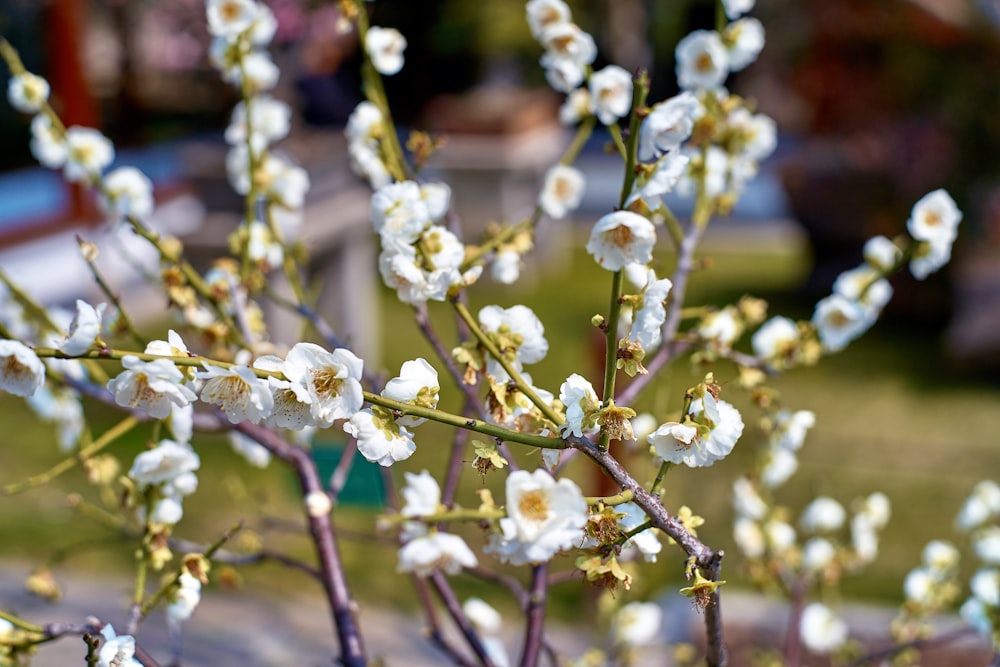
[(890, 417)]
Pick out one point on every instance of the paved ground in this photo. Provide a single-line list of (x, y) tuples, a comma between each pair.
[(240, 630)]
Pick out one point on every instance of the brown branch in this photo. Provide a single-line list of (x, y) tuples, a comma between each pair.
[(436, 635), (323, 536), (534, 631), (447, 597)]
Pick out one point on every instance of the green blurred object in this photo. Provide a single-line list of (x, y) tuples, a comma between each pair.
[(364, 486)]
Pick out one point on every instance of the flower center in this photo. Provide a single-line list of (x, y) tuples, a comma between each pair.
[(230, 11), (703, 63), (326, 382), (14, 368), (534, 505), (620, 236), (932, 219)]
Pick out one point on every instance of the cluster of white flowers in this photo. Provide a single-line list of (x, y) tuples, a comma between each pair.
[(170, 468), (384, 438), (859, 295), (364, 131), (648, 313), (385, 47), (931, 586), (82, 153), (420, 259), (241, 31), (184, 599), (705, 58), (707, 432), (426, 549), (569, 54), (978, 516), (933, 224), (667, 126), (788, 432)]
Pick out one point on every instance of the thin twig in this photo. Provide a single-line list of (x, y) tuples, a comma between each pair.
[(436, 635), (535, 622), (324, 539), (447, 597)]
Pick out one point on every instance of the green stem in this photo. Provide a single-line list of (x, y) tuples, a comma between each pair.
[(115, 301), (522, 386), (469, 423), (583, 133), (640, 89), (375, 92), (658, 482), (625, 496), (19, 622), (175, 579), (109, 436), (616, 137)]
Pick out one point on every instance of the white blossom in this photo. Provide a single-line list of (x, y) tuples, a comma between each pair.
[(582, 405), (435, 551), (822, 631), (84, 329), (21, 371), (385, 47), (610, 93), (823, 514), (576, 107), (27, 92), (380, 440), (838, 321), (881, 253), (985, 585), (127, 192), (229, 18), (745, 39), (543, 14), (980, 506), (184, 599), (780, 535), (255, 453), (164, 463), (421, 495), (518, 332), (47, 145), (566, 41), (318, 504), (651, 313), (506, 267), (621, 238), (152, 386), (117, 650), (986, 544), (416, 383), (702, 61), (636, 623), (779, 466), (646, 542), (483, 617), (543, 518), (88, 152), (704, 444), (775, 339), (667, 126), (332, 379), (562, 191), (746, 501), (749, 537), (239, 393), (934, 218), (736, 8), (270, 121), (817, 553)]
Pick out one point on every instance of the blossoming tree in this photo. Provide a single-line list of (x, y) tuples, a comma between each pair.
[(704, 143)]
